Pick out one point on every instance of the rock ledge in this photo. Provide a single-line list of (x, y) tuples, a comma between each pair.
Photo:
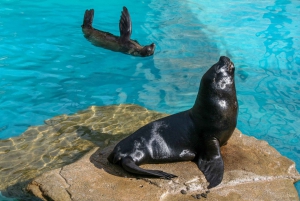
[(253, 171)]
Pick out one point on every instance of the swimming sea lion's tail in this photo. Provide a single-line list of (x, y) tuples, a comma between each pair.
[(88, 18)]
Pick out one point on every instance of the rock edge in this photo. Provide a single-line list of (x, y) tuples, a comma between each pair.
[(253, 171)]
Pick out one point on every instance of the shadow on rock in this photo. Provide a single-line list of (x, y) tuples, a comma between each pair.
[(106, 142), (99, 159)]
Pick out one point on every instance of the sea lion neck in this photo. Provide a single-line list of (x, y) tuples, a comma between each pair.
[(217, 89)]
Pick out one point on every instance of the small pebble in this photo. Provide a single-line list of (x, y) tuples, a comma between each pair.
[(194, 196), (204, 195), (207, 192), (198, 196), (183, 192)]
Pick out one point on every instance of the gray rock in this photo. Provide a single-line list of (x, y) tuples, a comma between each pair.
[(253, 171)]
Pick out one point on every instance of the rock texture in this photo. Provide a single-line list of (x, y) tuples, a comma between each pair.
[(64, 139), (253, 171)]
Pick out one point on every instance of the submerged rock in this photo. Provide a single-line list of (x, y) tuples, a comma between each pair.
[(253, 169), (63, 140)]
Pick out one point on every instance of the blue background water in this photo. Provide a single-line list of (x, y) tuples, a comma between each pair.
[(47, 68)]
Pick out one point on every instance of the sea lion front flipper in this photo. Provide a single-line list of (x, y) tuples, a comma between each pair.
[(129, 165), (125, 25), (211, 163)]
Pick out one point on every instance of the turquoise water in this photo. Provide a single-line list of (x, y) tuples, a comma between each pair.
[(3, 198), (47, 68)]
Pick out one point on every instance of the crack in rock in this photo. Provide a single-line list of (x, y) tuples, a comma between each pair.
[(69, 185)]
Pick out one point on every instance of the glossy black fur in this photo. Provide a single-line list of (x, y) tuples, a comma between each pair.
[(109, 41), (195, 134)]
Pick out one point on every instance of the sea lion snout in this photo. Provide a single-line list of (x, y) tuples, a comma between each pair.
[(147, 50), (225, 61)]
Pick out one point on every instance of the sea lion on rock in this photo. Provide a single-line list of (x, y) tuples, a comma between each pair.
[(195, 134), (109, 41)]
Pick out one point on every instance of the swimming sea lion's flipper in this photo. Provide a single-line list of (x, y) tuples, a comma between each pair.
[(125, 25), (88, 19), (211, 163), (129, 165)]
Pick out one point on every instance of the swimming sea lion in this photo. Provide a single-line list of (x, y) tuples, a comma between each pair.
[(195, 134), (112, 42)]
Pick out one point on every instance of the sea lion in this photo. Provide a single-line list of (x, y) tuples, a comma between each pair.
[(109, 41), (195, 134)]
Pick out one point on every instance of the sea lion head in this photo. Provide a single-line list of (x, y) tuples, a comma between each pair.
[(220, 77), (147, 50)]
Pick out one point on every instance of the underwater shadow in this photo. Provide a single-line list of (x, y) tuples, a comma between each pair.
[(98, 138), (18, 192)]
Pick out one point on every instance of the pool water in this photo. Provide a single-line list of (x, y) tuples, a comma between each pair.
[(48, 68)]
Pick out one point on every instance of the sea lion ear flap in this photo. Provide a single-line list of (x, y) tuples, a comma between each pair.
[(211, 163), (125, 25)]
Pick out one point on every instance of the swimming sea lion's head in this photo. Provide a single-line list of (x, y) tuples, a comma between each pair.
[(147, 50)]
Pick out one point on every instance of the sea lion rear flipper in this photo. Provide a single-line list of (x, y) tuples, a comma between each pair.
[(211, 163), (129, 165), (125, 25), (88, 19)]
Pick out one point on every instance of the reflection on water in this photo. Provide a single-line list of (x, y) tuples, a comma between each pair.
[(64, 139), (275, 103), (275, 83)]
